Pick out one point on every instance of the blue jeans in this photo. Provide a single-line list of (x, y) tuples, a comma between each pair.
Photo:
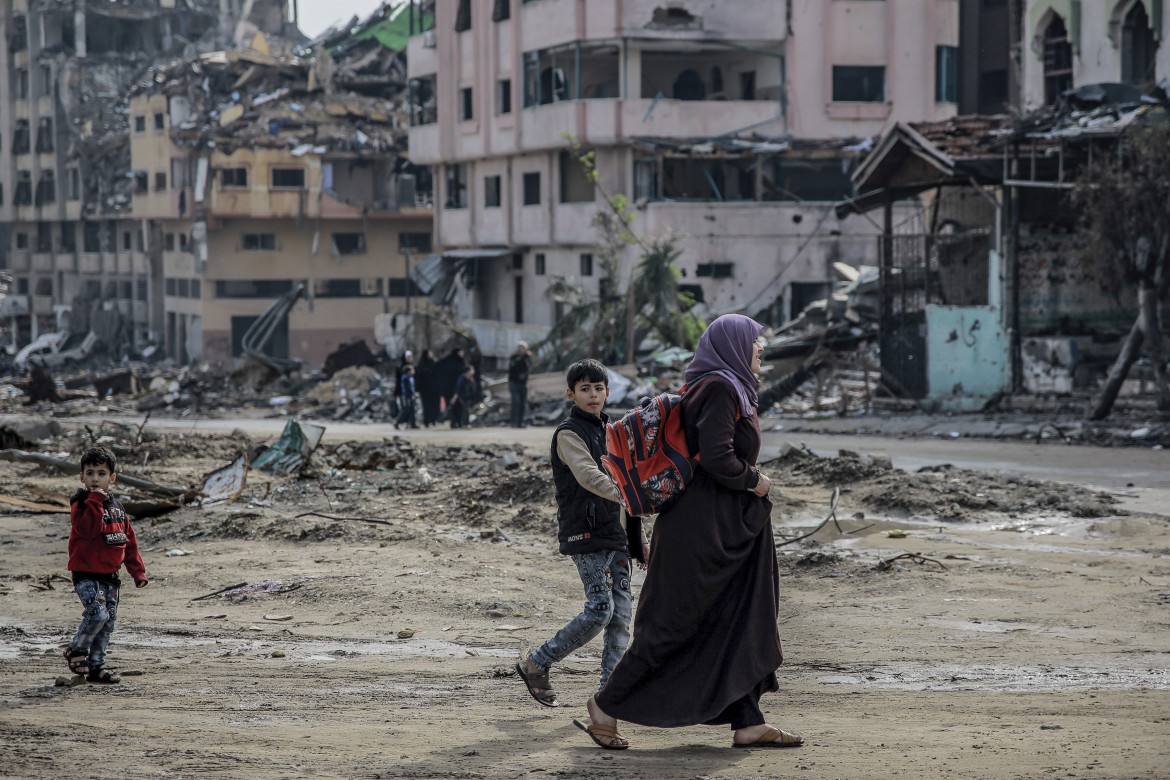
[(609, 605), (519, 393), (100, 601), (407, 413)]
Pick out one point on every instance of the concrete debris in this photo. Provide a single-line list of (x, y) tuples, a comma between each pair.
[(344, 94), (355, 353), (349, 386)]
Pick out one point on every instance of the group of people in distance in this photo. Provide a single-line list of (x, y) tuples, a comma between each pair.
[(454, 383), (705, 644)]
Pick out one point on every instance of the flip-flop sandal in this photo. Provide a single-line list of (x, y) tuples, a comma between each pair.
[(72, 657), (535, 680), (102, 675), (599, 733), (774, 738)]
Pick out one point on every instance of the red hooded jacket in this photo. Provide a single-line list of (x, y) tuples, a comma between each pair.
[(93, 517)]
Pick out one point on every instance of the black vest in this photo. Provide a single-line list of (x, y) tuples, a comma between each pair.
[(588, 522)]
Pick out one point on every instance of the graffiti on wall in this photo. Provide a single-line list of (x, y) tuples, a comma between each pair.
[(1061, 286)]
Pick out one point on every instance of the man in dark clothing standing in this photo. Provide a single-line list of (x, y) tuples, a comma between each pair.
[(518, 368)]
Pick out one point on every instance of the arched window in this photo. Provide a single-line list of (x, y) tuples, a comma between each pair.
[(1057, 60), (1137, 47)]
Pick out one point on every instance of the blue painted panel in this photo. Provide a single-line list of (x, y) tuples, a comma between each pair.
[(968, 358)]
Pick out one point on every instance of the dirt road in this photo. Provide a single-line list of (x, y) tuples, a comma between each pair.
[(1028, 640)]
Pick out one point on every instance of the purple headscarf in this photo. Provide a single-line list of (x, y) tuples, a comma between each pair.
[(725, 348)]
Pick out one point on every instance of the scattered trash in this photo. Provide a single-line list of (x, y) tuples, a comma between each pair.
[(896, 533), (292, 450), (406, 633), (32, 505), (178, 553), (890, 563), (277, 654), (278, 617), (226, 484)]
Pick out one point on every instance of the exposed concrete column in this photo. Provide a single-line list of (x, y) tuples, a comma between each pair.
[(79, 29)]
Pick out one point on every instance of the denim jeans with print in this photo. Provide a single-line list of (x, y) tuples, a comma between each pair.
[(97, 621), (609, 605)]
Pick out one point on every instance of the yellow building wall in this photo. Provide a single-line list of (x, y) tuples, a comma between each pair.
[(317, 325)]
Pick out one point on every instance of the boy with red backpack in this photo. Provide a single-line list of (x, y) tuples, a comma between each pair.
[(593, 530), (100, 541)]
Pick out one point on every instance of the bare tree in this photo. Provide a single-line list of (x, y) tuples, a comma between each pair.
[(1124, 202)]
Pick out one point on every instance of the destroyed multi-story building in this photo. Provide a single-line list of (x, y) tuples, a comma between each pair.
[(734, 123), (76, 254), (177, 166), (292, 173), (1003, 294)]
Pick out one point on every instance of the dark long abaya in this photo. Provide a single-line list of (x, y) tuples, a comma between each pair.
[(705, 632)]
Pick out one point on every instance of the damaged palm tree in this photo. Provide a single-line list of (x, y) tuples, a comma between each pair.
[(1125, 211), (651, 303)]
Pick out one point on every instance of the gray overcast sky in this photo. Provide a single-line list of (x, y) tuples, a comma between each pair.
[(317, 15)]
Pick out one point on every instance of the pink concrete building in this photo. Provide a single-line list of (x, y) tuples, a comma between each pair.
[(735, 123)]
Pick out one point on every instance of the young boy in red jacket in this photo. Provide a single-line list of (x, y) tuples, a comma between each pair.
[(100, 541)]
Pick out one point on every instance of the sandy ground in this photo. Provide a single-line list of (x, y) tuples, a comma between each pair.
[(1029, 640)]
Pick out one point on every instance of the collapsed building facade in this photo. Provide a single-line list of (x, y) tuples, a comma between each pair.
[(174, 168), (736, 124), (998, 296), (294, 175), (76, 256)]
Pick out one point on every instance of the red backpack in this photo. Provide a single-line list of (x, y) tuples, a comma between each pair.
[(647, 455)]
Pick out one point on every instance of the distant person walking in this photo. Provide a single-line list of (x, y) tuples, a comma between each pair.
[(427, 384), (519, 367), (406, 395), (447, 372), (463, 399), (400, 369)]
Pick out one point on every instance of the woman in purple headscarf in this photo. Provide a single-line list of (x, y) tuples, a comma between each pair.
[(706, 645)]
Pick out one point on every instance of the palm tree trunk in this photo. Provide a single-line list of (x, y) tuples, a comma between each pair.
[(631, 319)]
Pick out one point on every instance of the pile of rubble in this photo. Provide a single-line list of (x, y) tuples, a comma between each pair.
[(344, 92)]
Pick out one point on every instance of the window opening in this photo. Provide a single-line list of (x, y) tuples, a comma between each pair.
[(1138, 47), (491, 192), (859, 84), (258, 242), (1057, 60), (576, 186), (288, 178), (532, 188), (233, 177), (349, 243), (457, 186)]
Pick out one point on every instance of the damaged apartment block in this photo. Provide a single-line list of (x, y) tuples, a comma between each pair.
[(262, 173), (76, 253), (736, 125)]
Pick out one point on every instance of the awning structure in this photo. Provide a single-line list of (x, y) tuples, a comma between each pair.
[(912, 158), (435, 276), (471, 254)]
